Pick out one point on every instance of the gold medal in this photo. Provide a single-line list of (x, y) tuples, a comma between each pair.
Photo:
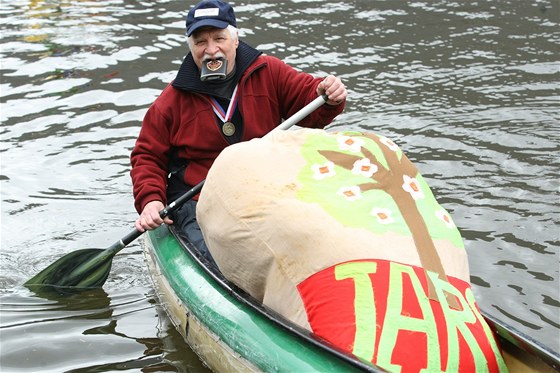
[(228, 129)]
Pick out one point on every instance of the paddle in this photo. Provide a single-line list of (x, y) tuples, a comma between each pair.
[(89, 268)]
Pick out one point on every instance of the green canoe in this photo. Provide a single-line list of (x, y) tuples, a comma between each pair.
[(231, 332)]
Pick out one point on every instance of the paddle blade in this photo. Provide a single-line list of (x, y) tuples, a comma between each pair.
[(86, 268)]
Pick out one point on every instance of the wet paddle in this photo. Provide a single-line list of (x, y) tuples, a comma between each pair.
[(89, 268)]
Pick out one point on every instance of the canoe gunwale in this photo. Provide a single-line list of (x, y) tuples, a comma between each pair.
[(274, 317), (507, 334)]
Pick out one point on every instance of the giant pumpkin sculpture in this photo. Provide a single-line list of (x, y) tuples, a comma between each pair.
[(339, 233)]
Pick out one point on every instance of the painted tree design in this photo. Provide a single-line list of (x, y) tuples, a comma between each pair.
[(390, 180)]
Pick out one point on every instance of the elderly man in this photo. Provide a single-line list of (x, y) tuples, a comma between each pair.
[(225, 92)]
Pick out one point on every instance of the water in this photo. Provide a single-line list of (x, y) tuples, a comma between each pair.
[(470, 90)]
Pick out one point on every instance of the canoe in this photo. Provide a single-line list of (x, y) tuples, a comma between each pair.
[(232, 332), (227, 329)]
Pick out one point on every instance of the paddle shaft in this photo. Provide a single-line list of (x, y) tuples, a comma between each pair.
[(173, 206), (88, 268)]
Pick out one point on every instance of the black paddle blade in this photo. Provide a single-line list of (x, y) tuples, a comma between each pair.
[(86, 268)]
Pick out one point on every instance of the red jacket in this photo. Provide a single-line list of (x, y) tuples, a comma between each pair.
[(181, 120)]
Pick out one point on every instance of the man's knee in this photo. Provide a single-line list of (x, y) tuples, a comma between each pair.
[(185, 219)]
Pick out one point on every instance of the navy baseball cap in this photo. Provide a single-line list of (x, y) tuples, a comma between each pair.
[(213, 13)]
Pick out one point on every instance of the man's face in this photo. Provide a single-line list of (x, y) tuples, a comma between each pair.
[(211, 43)]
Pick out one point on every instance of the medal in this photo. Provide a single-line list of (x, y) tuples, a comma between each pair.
[(228, 129)]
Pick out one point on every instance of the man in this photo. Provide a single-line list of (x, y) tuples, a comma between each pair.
[(225, 92)]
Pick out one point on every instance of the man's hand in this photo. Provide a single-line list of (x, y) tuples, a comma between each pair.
[(149, 218), (334, 89)]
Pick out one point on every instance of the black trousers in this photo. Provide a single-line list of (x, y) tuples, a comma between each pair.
[(185, 219)]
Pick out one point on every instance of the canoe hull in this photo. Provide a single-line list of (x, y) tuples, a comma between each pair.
[(219, 326), (203, 341), (230, 334)]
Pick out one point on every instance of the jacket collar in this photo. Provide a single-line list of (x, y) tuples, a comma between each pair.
[(188, 77)]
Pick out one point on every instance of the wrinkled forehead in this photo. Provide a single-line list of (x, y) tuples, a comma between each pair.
[(209, 31)]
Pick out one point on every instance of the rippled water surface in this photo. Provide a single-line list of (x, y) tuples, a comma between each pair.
[(470, 90)]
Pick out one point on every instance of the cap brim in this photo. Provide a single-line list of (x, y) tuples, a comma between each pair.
[(207, 22)]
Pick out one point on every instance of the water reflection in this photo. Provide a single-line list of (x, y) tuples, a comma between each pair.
[(64, 330), (468, 89)]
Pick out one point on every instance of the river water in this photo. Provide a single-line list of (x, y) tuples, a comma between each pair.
[(469, 90)]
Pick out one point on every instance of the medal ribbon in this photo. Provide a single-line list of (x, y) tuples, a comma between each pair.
[(219, 111)]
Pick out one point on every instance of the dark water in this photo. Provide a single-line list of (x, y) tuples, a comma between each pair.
[(470, 90)]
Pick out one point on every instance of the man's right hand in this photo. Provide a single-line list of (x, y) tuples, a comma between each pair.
[(149, 218)]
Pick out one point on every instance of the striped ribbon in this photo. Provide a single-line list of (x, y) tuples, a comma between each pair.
[(227, 115)]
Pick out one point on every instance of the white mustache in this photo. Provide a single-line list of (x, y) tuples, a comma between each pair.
[(216, 56)]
